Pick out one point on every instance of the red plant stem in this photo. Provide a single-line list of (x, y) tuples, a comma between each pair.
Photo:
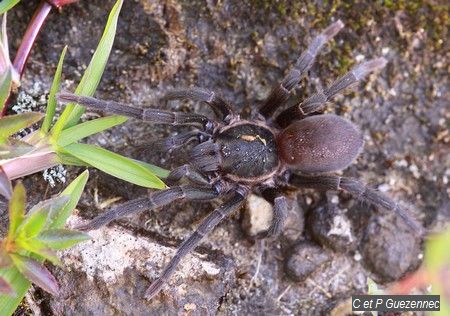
[(29, 164), (33, 29), (60, 3), (28, 40)]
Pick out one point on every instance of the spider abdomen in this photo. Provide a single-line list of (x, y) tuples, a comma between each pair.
[(321, 143), (248, 151)]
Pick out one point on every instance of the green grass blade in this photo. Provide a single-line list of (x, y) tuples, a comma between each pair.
[(37, 273), (5, 86), (6, 288), (60, 123), (116, 165), (38, 250), (53, 207), (94, 71), (62, 238), (51, 104), (32, 224), (80, 131), (20, 285), (13, 123), (12, 148), (7, 5), (73, 191), (16, 209), (158, 171), (69, 160)]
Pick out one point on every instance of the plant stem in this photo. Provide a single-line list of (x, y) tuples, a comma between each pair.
[(33, 29), (28, 164), (28, 40), (60, 3)]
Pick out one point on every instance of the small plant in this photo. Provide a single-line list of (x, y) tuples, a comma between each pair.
[(34, 237), (57, 143)]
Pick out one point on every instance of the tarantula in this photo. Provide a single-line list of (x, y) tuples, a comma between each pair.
[(235, 156)]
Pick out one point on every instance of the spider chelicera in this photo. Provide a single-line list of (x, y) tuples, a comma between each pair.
[(297, 148)]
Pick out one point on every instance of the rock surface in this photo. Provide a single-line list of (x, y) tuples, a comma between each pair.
[(241, 50)]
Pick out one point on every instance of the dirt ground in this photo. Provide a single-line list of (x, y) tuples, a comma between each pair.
[(240, 51)]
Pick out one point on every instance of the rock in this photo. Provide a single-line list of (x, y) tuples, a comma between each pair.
[(331, 227), (295, 222), (258, 215), (305, 258), (390, 248), (110, 273)]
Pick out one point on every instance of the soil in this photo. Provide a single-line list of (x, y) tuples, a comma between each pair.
[(241, 50)]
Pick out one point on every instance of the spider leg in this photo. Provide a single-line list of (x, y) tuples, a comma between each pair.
[(188, 172), (220, 107), (358, 190), (157, 199), (280, 212), (317, 101), (281, 92), (145, 114), (176, 141), (189, 244)]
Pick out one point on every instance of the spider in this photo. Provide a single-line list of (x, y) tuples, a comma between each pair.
[(264, 154)]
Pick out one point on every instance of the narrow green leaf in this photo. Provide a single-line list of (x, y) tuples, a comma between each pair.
[(38, 248), (16, 209), (20, 285), (60, 123), (80, 131), (5, 86), (62, 238), (6, 288), (36, 273), (73, 191), (94, 71), (12, 148), (6, 5), (158, 171), (13, 123), (53, 207), (32, 225), (51, 104), (70, 160), (116, 165)]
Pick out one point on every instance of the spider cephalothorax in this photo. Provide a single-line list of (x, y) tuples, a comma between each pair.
[(298, 148)]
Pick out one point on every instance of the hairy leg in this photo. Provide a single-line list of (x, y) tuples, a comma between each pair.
[(188, 172), (220, 107), (358, 190), (176, 141), (155, 200), (281, 92), (280, 212), (317, 101), (145, 114), (231, 204)]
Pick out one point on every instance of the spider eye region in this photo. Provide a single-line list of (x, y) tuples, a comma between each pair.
[(248, 151), (321, 143)]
